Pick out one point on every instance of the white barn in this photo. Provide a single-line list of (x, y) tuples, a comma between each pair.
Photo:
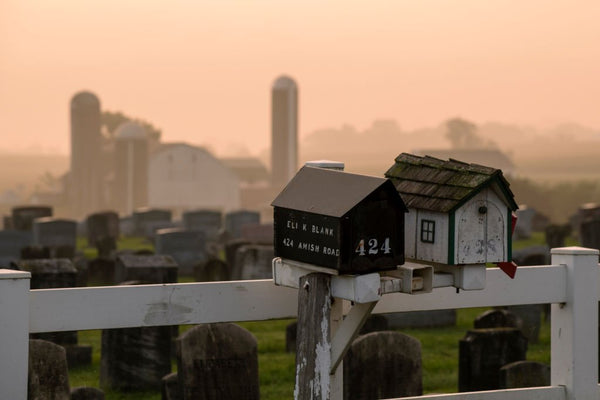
[(458, 213), (183, 177)]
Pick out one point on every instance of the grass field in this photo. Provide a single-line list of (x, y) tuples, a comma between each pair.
[(277, 368)]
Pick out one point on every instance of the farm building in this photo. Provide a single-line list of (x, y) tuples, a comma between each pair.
[(459, 213)]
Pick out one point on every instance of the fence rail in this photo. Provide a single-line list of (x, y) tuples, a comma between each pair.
[(571, 284)]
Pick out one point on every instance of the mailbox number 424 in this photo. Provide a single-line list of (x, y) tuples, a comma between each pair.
[(372, 247)]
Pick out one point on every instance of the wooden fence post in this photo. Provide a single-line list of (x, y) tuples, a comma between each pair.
[(14, 332), (313, 338), (574, 337)]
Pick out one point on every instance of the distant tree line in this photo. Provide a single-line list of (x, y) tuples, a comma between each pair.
[(557, 201), (111, 120)]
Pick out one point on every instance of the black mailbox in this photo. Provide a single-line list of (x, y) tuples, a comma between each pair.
[(333, 219)]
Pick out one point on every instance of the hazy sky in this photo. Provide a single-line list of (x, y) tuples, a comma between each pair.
[(202, 70)]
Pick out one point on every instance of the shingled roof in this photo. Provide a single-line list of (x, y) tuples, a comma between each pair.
[(437, 185)]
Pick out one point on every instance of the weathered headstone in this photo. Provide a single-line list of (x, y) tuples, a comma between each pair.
[(496, 318), (59, 235), (231, 249), (211, 271), (7, 222), (103, 231), (156, 268), (135, 358), (532, 255), (235, 220), (101, 271), (383, 365), (127, 226), (521, 374), (34, 252), (218, 362), (11, 244), (86, 393), (530, 320), (50, 274), (589, 234), (207, 221), (170, 387), (524, 222), (253, 262), (188, 248), (556, 235), (48, 377), (421, 319), (147, 220), (23, 217), (258, 233), (482, 352)]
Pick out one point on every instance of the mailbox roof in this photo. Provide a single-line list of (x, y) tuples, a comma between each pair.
[(437, 185), (329, 192)]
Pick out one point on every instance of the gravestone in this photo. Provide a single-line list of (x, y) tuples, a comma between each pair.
[(496, 318), (23, 217), (258, 233), (207, 221), (524, 222), (59, 235), (103, 231), (101, 271), (156, 268), (147, 220), (530, 320), (126, 226), (51, 274), (556, 235), (589, 233), (236, 220), (135, 358), (211, 271), (170, 387), (383, 365), (482, 352), (532, 255), (48, 375), (291, 333), (421, 319), (521, 374), (231, 249), (218, 362), (188, 248), (86, 393), (253, 261), (34, 252), (7, 222), (11, 244)]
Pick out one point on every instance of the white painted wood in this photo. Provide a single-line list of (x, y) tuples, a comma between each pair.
[(438, 250), (347, 331), (471, 228), (154, 305), (574, 333), (496, 235), (466, 277), (532, 285), (410, 233), (357, 288), (14, 332), (443, 279), (537, 393), (288, 272)]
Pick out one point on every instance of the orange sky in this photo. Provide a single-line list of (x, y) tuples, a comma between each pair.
[(201, 70)]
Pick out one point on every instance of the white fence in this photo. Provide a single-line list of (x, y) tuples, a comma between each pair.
[(570, 284)]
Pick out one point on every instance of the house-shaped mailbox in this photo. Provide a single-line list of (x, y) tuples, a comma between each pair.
[(333, 219), (459, 213)]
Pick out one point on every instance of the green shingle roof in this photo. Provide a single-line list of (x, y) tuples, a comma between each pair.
[(437, 185)]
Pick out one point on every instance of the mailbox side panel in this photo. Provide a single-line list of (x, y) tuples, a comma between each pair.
[(307, 237), (376, 238)]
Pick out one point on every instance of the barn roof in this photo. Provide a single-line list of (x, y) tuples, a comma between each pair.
[(329, 192), (437, 185)]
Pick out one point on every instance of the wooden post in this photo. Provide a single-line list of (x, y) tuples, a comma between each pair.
[(14, 331), (313, 339), (574, 342)]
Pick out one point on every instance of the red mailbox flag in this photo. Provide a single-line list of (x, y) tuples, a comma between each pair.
[(510, 267)]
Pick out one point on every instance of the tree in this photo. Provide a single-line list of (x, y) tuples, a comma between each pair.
[(111, 120), (462, 134)]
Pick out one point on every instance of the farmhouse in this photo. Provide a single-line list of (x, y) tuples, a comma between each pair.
[(459, 213)]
